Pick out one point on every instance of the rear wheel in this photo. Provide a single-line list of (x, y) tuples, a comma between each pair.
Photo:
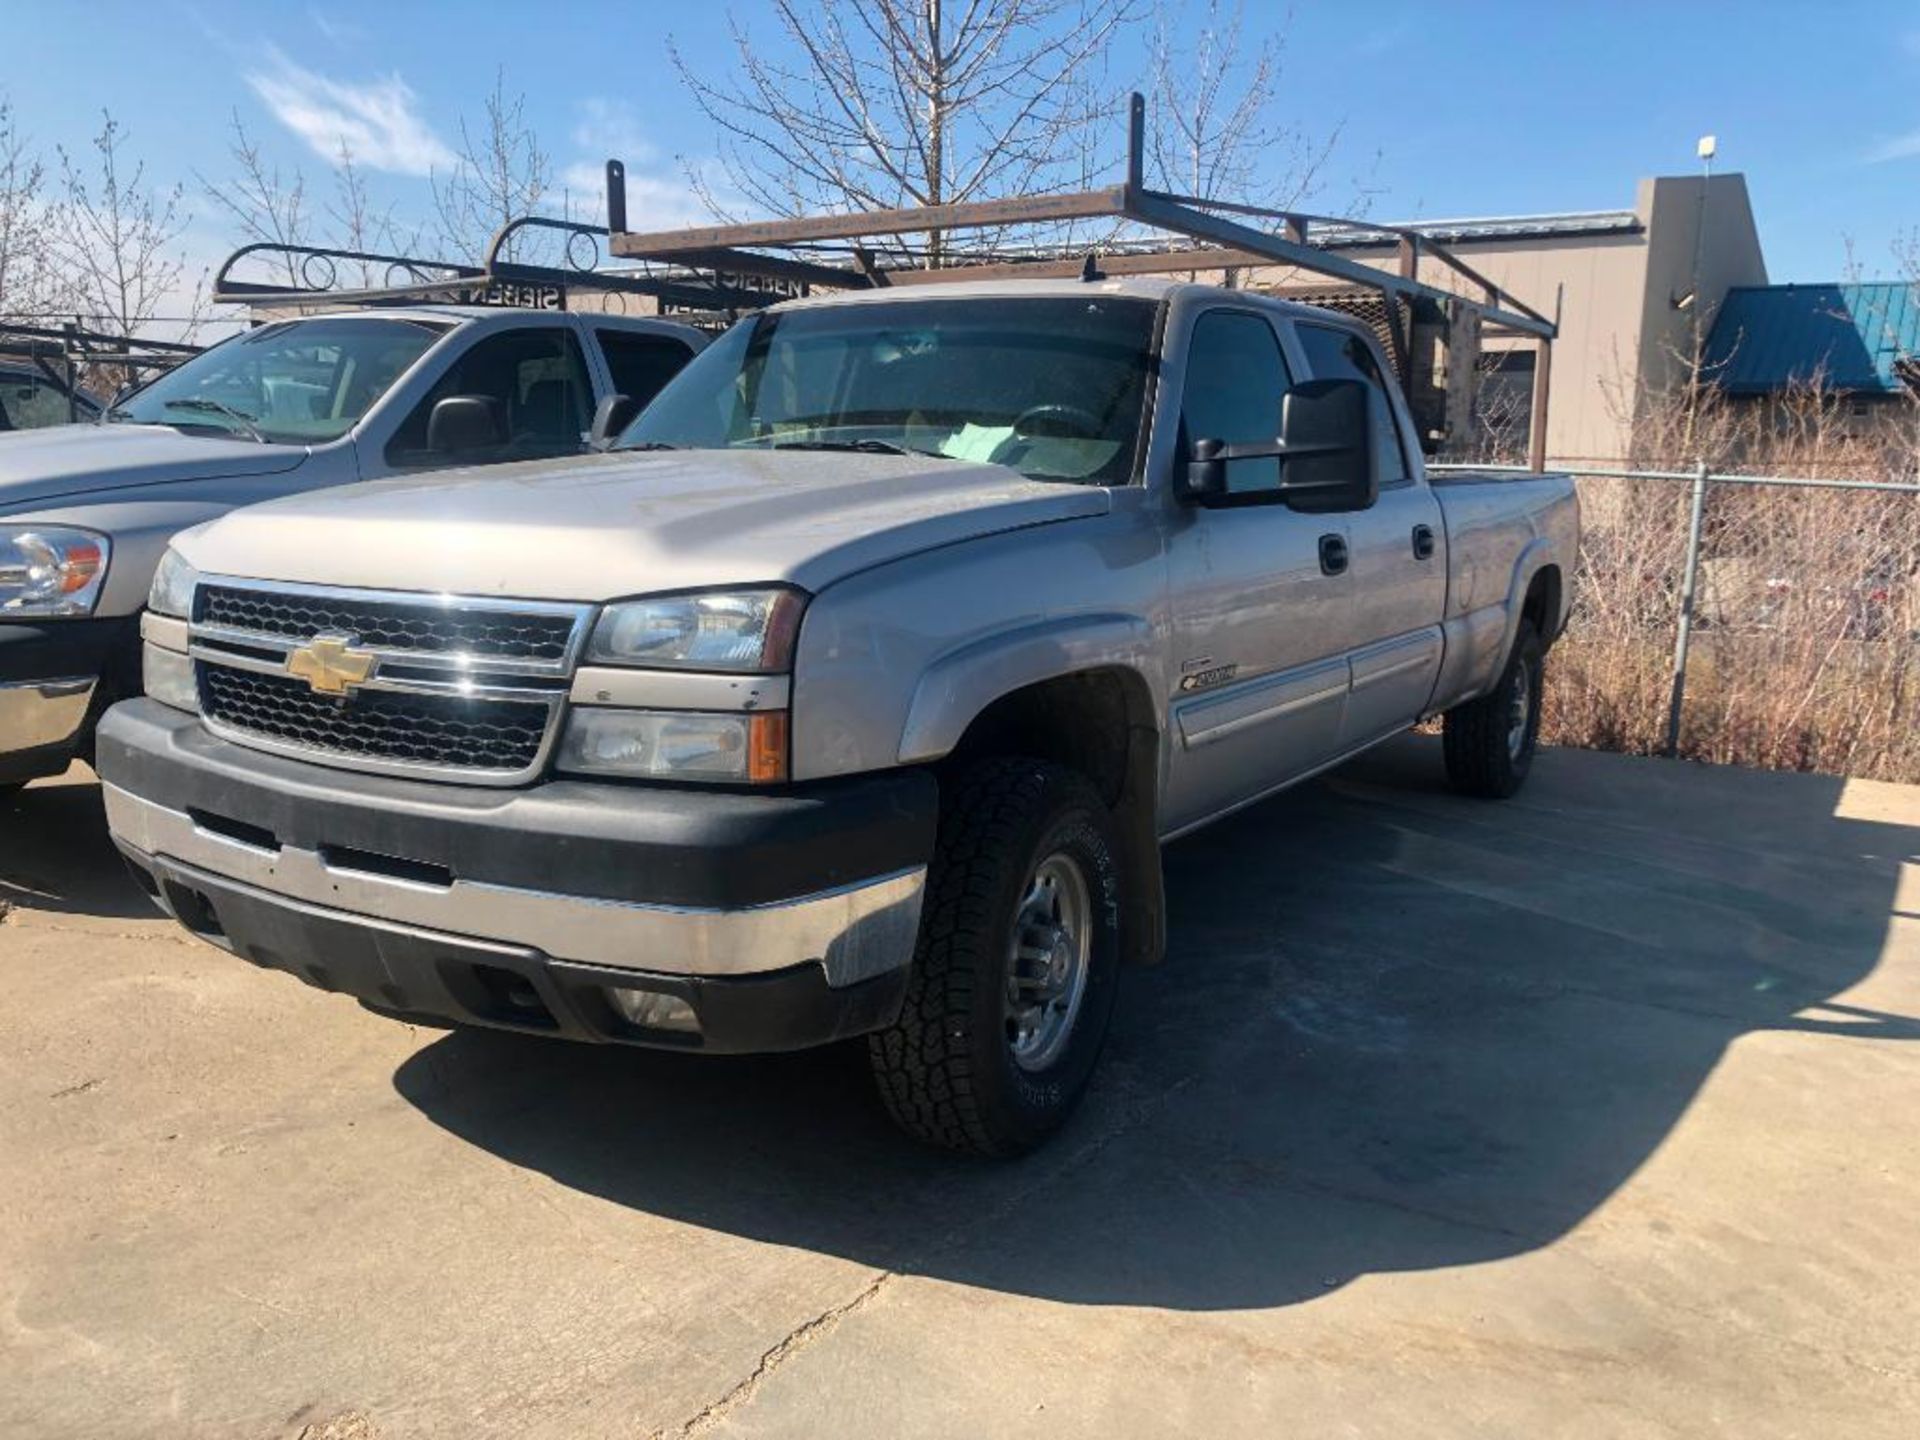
[(1017, 965), (1490, 742)]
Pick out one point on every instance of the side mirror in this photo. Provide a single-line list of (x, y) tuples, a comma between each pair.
[(1325, 447), (464, 424), (613, 415)]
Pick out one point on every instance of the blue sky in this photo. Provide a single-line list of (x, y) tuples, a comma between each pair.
[(1444, 109)]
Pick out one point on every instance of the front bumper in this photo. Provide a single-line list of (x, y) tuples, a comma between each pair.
[(56, 676), (783, 920)]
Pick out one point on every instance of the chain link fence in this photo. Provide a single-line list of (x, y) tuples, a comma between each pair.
[(1758, 620)]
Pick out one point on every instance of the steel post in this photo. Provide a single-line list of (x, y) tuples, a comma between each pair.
[(1690, 576)]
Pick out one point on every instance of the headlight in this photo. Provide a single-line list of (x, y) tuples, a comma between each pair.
[(748, 748), (750, 630), (173, 582), (167, 676), (50, 570)]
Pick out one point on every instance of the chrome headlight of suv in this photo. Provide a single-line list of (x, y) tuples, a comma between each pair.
[(51, 570), (736, 632)]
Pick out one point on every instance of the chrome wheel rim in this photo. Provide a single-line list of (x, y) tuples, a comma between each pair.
[(1048, 964), (1519, 712)]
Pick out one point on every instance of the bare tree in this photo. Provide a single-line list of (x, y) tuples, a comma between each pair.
[(909, 102), (115, 238), (29, 284), (501, 173), (265, 206), (1213, 128), (356, 222)]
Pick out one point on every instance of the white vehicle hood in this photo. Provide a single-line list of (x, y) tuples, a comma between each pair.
[(65, 461), (608, 526)]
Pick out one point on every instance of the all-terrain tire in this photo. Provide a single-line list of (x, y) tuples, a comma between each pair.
[(946, 1069), (1490, 742)]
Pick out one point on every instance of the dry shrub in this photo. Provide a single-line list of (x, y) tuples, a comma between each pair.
[(1806, 641)]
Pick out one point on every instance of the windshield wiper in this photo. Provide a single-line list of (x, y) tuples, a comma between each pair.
[(867, 446), (647, 445), (217, 407)]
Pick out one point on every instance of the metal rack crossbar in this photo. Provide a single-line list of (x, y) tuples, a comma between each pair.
[(304, 277), (1193, 234), (59, 353)]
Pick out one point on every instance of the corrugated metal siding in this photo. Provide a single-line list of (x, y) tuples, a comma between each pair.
[(1768, 337)]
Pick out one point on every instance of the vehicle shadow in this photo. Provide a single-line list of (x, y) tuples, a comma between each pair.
[(1396, 1030), (55, 854)]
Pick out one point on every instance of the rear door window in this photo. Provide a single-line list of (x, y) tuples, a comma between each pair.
[(641, 364)]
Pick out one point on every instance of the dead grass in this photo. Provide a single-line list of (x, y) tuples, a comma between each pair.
[(1806, 646)]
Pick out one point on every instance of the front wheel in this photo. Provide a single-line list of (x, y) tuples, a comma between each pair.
[(1490, 742), (1017, 964)]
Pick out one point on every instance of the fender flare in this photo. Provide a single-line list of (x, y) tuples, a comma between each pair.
[(960, 684), (1535, 556)]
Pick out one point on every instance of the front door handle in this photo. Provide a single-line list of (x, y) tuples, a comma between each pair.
[(1423, 542), (1333, 554)]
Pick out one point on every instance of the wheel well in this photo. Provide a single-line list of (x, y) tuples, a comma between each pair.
[(1084, 721), (1542, 605), (1101, 723)]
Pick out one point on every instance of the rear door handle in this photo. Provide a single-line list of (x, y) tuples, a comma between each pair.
[(1423, 542), (1333, 554)]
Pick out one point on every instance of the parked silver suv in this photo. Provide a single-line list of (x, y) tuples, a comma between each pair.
[(291, 406)]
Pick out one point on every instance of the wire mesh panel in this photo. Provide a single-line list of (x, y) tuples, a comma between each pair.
[(1805, 651)]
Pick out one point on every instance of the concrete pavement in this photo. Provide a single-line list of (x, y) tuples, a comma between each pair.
[(1591, 1113)]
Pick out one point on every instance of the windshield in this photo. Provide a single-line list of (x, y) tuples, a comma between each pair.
[(298, 382), (1050, 386)]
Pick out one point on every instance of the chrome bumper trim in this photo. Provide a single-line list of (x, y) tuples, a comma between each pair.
[(855, 932), (35, 713)]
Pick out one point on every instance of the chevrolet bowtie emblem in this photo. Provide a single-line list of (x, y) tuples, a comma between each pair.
[(330, 664)]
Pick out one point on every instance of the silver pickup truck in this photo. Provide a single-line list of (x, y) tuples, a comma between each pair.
[(291, 406), (853, 694)]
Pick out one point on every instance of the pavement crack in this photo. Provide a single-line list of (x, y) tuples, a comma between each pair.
[(791, 1344), (1130, 1117)]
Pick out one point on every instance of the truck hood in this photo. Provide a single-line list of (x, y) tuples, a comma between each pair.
[(607, 526), (65, 461)]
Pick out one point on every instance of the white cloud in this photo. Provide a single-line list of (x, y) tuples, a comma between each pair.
[(658, 195), (1901, 147), (379, 120), (340, 32)]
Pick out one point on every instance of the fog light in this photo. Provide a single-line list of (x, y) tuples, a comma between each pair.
[(651, 1010)]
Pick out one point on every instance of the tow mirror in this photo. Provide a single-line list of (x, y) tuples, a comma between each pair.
[(464, 425), (1325, 448), (614, 414)]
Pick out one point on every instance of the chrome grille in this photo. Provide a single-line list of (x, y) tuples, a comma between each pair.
[(469, 689), (440, 730), (431, 627)]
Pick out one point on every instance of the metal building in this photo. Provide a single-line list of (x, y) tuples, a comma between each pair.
[(1636, 290)]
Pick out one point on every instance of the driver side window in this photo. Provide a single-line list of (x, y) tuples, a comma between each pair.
[(534, 381), (1236, 378)]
